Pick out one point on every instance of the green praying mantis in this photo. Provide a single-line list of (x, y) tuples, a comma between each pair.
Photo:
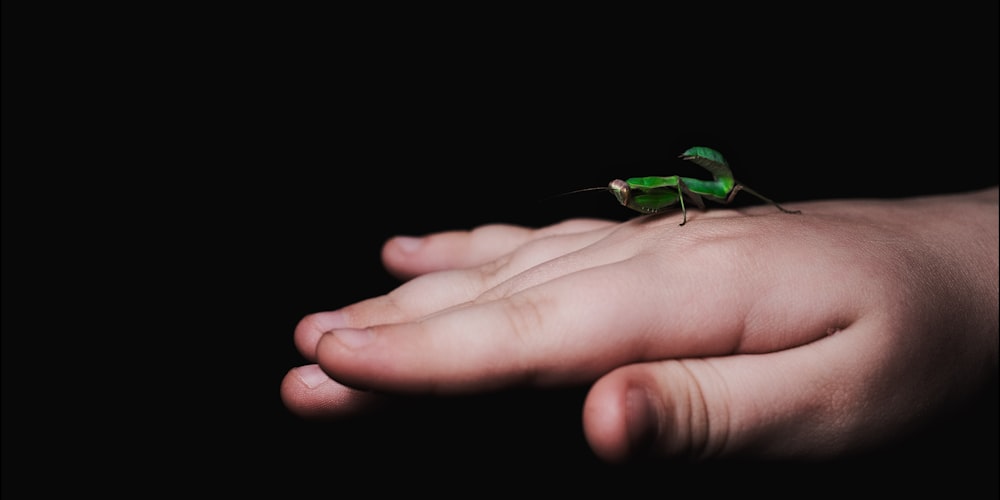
[(652, 195)]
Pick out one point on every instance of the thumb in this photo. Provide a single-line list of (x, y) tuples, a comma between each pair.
[(780, 405)]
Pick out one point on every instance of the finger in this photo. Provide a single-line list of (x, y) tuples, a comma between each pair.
[(310, 393), (795, 403), (310, 328), (570, 329), (409, 302), (441, 290), (476, 346), (406, 257)]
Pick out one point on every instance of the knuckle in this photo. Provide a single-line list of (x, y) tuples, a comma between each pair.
[(494, 271), (525, 318)]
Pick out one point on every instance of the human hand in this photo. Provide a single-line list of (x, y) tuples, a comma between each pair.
[(745, 332)]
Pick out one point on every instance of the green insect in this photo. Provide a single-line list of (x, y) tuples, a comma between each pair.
[(652, 195)]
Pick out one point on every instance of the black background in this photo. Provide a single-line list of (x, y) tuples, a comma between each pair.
[(181, 186)]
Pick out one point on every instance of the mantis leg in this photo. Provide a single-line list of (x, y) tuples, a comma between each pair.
[(694, 197), (740, 187)]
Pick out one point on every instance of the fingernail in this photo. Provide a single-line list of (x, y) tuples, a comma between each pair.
[(409, 244), (311, 375), (354, 338), (640, 420)]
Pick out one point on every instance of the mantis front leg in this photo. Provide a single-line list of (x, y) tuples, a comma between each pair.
[(652, 195)]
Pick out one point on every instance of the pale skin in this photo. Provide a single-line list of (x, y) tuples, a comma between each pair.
[(745, 332)]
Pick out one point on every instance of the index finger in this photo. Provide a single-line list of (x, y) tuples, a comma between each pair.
[(566, 330)]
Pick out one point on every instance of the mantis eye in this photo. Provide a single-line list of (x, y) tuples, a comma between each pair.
[(621, 190)]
